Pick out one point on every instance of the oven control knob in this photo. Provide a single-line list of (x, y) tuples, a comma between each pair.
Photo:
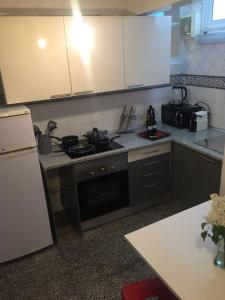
[(103, 169), (92, 173)]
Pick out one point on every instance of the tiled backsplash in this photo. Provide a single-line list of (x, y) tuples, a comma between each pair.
[(216, 82), (201, 59), (104, 111), (215, 98), (204, 59)]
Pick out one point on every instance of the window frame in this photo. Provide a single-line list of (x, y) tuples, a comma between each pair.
[(208, 24)]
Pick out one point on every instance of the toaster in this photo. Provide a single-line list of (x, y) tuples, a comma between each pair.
[(199, 121)]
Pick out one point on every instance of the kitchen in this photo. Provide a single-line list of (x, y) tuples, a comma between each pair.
[(89, 86)]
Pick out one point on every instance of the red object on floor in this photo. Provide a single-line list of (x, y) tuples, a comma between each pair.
[(145, 289)]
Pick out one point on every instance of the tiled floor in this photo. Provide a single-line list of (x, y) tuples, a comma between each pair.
[(92, 266)]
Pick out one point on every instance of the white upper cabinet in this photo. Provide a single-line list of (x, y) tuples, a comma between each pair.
[(147, 43), (33, 58), (95, 51)]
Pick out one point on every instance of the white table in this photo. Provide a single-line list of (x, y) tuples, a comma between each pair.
[(174, 248)]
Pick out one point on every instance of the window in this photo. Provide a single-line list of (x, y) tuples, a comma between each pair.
[(213, 15), (218, 10)]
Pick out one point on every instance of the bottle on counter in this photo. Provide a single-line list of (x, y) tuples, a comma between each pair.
[(150, 121)]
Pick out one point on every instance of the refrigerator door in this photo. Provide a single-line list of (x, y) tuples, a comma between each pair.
[(222, 181), (16, 133), (24, 221)]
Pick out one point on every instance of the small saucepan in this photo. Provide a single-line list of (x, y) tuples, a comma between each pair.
[(67, 141)]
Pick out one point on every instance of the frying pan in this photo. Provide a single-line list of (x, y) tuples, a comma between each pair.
[(80, 150), (67, 141)]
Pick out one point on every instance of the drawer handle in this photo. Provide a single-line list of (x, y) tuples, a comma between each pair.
[(83, 93), (150, 152), (152, 174), (208, 159), (132, 86), (152, 163), (61, 96), (151, 185)]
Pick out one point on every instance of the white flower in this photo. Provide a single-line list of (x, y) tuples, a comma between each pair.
[(217, 213)]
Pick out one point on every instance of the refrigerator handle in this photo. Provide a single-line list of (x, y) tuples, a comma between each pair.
[(21, 152)]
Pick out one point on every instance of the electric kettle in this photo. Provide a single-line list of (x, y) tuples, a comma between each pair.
[(179, 95)]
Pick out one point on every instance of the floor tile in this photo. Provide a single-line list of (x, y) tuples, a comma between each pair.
[(94, 265)]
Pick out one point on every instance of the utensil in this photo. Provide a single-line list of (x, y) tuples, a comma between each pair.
[(52, 125), (104, 145), (44, 144), (96, 135), (79, 150), (126, 116), (37, 130), (99, 139), (122, 118), (67, 141)]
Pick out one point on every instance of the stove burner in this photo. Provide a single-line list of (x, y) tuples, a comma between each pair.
[(113, 146)]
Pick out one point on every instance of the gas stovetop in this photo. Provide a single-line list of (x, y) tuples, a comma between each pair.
[(112, 146), (214, 143)]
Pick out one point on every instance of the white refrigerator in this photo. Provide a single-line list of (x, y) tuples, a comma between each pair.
[(24, 220)]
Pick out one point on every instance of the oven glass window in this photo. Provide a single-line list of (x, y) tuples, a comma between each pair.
[(103, 195)]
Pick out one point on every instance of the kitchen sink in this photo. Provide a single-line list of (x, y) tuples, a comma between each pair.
[(214, 143)]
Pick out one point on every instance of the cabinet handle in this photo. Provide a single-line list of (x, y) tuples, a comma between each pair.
[(151, 174), (132, 86), (151, 185), (208, 159), (152, 163), (61, 96), (149, 152), (83, 93)]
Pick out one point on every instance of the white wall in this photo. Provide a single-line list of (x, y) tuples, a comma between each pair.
[(78, 116)]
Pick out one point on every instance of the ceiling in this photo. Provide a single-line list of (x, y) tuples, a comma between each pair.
[(36, 6), (61, 4)]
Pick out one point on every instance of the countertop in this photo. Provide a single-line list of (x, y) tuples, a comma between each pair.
[(132, 141), (173, 247)]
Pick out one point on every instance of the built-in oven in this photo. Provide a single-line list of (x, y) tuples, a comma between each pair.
[(102, 185)]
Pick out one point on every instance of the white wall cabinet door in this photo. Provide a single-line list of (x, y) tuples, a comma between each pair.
[(33, 58), (95, 50), (147, 43)]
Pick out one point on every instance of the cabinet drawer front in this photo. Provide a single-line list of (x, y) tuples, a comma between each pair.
[(148, 152), (153, 165), (151, 192), (156, 177)]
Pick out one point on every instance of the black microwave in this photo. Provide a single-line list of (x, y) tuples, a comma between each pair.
[(178, 115)]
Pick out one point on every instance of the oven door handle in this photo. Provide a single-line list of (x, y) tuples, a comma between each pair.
[(176, 117)]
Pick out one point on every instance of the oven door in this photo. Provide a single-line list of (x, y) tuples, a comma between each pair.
[(103, 195)]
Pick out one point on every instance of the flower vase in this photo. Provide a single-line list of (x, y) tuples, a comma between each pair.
[(219, 259)]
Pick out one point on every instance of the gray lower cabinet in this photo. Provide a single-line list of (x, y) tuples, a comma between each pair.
[(149, 179), (194, 176), (184, 175), (209, 177)]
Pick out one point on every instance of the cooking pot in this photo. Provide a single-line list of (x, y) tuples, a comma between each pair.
[(67, 141), (99, 139), (96, 135)]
